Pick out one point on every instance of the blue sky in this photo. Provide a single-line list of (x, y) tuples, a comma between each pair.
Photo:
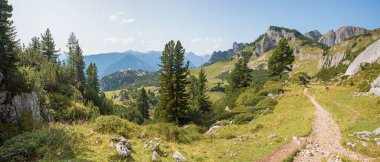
[(202, 26)]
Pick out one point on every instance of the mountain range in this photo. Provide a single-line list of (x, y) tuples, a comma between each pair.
[(111, 62)]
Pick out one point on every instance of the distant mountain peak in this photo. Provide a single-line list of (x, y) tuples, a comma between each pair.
[(331, 38)]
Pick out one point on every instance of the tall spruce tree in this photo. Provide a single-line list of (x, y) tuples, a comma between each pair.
[(202, 98), (48, 46), (173, 105), (92, 77), (142, 103), (240, 76), (35, 45), (282, 58), (8, 42), (75, 59)]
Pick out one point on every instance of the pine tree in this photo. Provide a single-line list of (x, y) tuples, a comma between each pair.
[(202, 98), (35, 45), (282, 58), (75, 59), (8, 43), (240, 76), (173, 105), (92, 77), (142, 103), (48, 46)]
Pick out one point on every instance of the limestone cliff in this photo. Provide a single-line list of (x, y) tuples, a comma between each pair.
[(370, 55), (331, 38), (314, 35)]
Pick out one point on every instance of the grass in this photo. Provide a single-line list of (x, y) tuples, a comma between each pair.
[(352, 114)]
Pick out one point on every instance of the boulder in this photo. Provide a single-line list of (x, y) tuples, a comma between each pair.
[(155, 156), (178, 156), (376, 131), (3, 97), (351, 144), (27, 102), (272, 135), (212, 129)]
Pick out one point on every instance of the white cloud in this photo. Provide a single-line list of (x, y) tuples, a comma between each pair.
[(217, 42), (124, 41), (114, 17), (195, 40), (130, 20)]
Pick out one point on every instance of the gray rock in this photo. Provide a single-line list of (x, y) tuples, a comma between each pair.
[(122, 139), (122, 151), (351, 144), (212, 129), (27, 102), (364, 134), (156, 147), (333, 60), (3, 97), (370, 55), (314, 35), (155, 156), (129, 145), (331, 38), (178, 156), (376, 131), (8, 113), (272, 135), (365, 144)]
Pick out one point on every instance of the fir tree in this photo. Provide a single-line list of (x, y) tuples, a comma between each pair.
[(48, 46), (173, 105), (142, 103), (35, 45), (75, 59), (281, 59), (8, 43), (202, 98), (240, 76), (92, 77)]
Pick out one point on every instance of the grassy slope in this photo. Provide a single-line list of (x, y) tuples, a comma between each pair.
[(292, 116), (352, 114)]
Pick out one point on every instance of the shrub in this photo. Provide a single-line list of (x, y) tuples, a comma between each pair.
[(172, 133), (257, 128), (243, 118), (77, 111), (267, 102), (40, 144), (266, 91), (248, 98), (364, 87), (129, 113), (114, 124), (300, 78)]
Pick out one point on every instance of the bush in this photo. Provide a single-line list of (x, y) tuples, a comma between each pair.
[(40, 144), (172, 133), (129, 113), (243, 118), (248, 98), (114, 124), (257, 128), (266, 91), (364, 87), (267, 102), (300, 78), (78, 111)]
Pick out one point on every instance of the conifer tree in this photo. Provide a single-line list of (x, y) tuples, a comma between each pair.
[(75, 59), (48, 46), (92, 77), (35, 45), (8, 42), (202, 98), (173, 105), (142, 103), (282, 58), (240, 76)]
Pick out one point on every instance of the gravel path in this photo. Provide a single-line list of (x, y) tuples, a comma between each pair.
[(324, 141)]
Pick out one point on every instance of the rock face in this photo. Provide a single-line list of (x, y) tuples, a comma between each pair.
[(11, 108), (375, 88), (314, 35), (273, 36), (331, 38), (221, 55), (370, 55), (331, 60)]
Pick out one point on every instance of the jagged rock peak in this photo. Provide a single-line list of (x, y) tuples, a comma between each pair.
[(315, 35), (331, 38), (237, 46)]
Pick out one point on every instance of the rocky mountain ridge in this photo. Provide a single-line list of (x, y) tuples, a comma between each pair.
[(331, 38)]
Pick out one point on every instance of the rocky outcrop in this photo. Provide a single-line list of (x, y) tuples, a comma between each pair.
[(331, 60), (370, 55), (375, 87), (273, 36), (12, 108), (314, 35), (221, 55), (331, 38)]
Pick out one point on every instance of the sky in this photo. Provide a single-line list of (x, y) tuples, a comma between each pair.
[(202, 26)]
